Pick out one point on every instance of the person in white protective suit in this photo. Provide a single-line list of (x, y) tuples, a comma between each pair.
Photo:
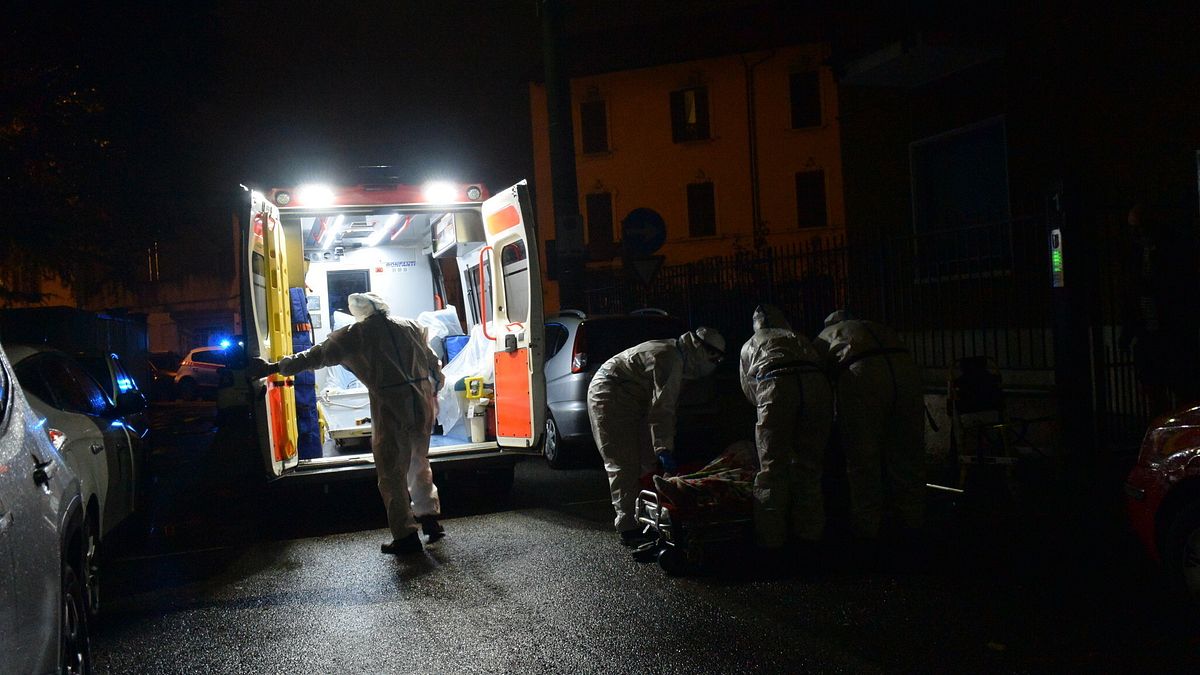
[(783, 376), (402, 376), (880, 420), (631, 405)]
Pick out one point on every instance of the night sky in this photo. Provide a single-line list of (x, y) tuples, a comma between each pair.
[(205, 95), (215, 93)]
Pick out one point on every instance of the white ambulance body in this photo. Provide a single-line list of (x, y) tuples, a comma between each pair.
[(463, 264)]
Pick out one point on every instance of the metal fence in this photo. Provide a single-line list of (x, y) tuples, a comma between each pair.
[(976, 291)]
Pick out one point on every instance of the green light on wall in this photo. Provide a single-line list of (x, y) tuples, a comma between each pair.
[(1056, 262)]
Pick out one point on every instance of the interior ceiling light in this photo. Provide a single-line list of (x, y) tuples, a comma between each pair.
[(315, 195), (439, 192), (332, 232), (382, 232)]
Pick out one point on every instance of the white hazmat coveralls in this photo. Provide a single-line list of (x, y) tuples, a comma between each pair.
[(782, 376), (631, 405), (880, 418), (402, 376)]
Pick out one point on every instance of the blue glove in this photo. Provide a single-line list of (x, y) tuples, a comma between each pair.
[(668, 462)]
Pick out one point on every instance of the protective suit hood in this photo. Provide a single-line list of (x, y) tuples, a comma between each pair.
[(702, 350), (839, 316), (770, 316), (363, 305)]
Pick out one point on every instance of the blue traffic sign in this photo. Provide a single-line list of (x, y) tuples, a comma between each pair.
[(643, 232)]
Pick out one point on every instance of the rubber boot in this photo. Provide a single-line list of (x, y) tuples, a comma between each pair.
[(406, 546), (432, 528)]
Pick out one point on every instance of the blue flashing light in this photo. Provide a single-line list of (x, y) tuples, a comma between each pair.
[(225, 344)]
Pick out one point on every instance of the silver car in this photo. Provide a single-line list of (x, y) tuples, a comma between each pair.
[(576, 345), (102, 448), (43, 609)]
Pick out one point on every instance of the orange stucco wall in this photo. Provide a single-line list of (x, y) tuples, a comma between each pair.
[(644, 168)]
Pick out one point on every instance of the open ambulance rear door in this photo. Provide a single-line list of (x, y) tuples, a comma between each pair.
[(516, 318), (268, 327)]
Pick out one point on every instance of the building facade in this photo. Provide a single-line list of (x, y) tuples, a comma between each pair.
[(690, 160)]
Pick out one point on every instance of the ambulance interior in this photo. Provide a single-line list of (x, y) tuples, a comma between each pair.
[(425, 264)]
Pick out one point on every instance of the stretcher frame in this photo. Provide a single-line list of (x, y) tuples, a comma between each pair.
[(681, 537)]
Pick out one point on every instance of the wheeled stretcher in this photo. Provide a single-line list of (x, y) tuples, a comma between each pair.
[(683, 534), (692, 513)]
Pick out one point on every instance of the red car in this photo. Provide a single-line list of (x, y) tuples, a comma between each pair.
[(1163, 493)]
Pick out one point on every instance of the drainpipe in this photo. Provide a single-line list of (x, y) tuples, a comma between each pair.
[(759, 227)]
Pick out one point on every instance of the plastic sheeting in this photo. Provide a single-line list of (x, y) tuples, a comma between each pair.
[(477, 359), (339, 378), (440, 324)]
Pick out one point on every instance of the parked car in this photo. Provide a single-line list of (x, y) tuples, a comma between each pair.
[(108, 371), (43, 607), (576, 346), (1163, 497), (97, 443), (199, 373), (162, 368)]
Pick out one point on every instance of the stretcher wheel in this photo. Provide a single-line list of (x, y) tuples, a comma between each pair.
[(672, 561)]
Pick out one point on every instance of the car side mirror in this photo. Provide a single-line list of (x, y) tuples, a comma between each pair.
[(130, 402)]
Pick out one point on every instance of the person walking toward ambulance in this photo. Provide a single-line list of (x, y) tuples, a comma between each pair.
[(880, 421), (782, 376), (391, 357), (631, 405)]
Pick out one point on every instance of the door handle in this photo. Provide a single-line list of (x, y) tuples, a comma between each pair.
[(42, 471), (97, 448)]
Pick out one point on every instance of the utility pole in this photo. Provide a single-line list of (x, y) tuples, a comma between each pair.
[(568, 223)]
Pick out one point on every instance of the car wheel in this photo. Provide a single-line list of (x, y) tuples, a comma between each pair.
[(553, 446), (187, 389), (74, 645), (91, 569), (1182, 551)]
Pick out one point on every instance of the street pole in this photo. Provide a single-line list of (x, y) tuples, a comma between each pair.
[(568, 223), (1075, 364)]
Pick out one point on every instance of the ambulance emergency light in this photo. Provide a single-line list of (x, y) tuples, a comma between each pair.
[(439, 192), (314, 195)]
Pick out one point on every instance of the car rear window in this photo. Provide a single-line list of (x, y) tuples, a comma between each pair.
[(97, 367), (610, 335), (214, 357)]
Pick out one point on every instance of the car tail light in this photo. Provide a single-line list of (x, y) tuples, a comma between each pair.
[(579, 360), (57, 438)]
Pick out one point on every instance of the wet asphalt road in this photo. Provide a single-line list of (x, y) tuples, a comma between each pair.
[(228, 577)]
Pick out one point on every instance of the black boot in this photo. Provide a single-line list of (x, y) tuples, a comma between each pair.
[(431, 527), (406, 546)]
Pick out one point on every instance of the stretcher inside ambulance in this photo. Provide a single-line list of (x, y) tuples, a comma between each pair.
[(464, 267)]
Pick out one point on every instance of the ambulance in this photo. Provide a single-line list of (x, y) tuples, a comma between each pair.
[(459, 261)]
